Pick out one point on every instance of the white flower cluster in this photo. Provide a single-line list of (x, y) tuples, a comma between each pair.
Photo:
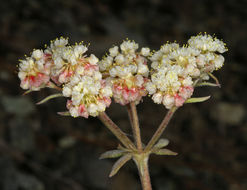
[(207, 43), (127, 71), (124, 73), (68, 66), (65, 58), (57, 63), (176, 68), (83, 81)]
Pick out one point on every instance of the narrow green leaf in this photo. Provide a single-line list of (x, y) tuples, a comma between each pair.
[(27, 92), (161, 143), (49, 97), (199, 99), (65, 113), (119, 163), (165, 152), (208, 84), (112, 154)]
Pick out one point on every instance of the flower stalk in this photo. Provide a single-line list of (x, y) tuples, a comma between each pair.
[(116, 131), (161, 128), (135, 126)]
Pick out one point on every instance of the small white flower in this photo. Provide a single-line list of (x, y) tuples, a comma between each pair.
[(67, 91), (207, 43), (37, 54), (60, 42), (113, 51), (106, 91), (187, 81), (219, 60), (79, 50), (151, 88), (168, 101), (145, 51), (22, 75), (129, 47), (142, 69), (92, 109), (139, 80), (93, 59), (157, 98), (101, 107), (74, 112), (119, 59)]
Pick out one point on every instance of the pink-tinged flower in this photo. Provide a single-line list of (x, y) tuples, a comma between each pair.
[(35, 82), (127, 70), (129, 90), (89, 94), (179, 101), (186, 92), (77, 111), (68, 60), (34, 71)]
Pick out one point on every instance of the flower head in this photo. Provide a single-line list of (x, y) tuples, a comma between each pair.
[(126, 69), (66, 59), (89, 93), (34, 71), (175, 69)]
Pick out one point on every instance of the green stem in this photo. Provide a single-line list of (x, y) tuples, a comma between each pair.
[(135, 125), (160, 129), (130, 114), (116, 131)]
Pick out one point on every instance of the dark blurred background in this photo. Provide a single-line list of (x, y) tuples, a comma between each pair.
[(40, 150)]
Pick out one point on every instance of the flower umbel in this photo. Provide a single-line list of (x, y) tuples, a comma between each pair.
[(88, 84)]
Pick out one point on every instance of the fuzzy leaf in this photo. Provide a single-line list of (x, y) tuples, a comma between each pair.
[(199, 99), (112, 154), (65, 113), (208, 84), (215, 78), (161, 143), (119, 163), (49, 97), (165, 152)]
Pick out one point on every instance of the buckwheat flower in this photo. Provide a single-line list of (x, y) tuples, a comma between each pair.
[(209, 58), (34, 71), (66, 59), (157, 98), (159, 57), (113, 51), (145, 51), (59, 43), (171, 83), (89, 94), (186, 58), (126, 69)]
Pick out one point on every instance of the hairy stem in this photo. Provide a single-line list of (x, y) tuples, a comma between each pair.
[(135, 125), (116, 131), (141, 161), (161, 128)]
